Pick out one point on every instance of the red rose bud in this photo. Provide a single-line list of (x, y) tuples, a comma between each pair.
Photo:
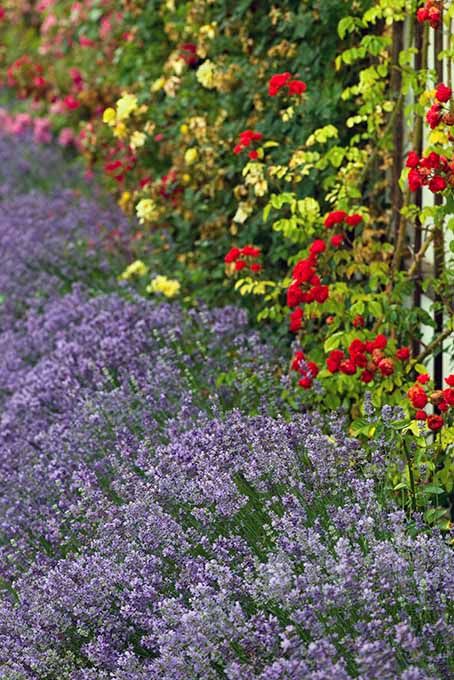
[(240, 264), (366, 377), (337, 240), (435, 423), (423, 378), (403, 354), (450, 380), (296, 320), (253, 155), (255, 267), (358, 322), (305, 383), (443, 93)]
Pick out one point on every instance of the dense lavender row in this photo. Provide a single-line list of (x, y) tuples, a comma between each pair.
[(159, 518)]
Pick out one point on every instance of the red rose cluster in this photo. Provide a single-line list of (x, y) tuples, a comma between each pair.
[(431, 13), (306, 286), (433, 171), (245, 140), (285, 80), (437, 113), (244, 258), (368, 357), (442, 399), (308, 370), (120, 161), (341, 218)]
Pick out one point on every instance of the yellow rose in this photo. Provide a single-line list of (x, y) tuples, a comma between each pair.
[(109, 116), (146, 210), (161, 284), (137, 140), (190, 156), (184, 129), (126, 105), (206, 74), (137, 268)]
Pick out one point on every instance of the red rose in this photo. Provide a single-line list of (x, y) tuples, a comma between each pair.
[(423, 378), (334, 359), (253, 155), (434, 17), (312, 368), (320, 293), (303, 271), (240, 264), (336, 217), (358, 321), (305, 383), (232, 255), (417, 397), (420, 415), (403, 353), (294, 295), (366, 377), (354, 220), (412, 160), (450, 380), (432, 161), (356, 345), (348, 367), (71, 102), (435, 422), (251, 251), (422, 15), (255, 267), (437, 184), (296, 86), (296, 320), (299, 356), (414, 180), (317, 247), (238, 149), (380, 342), (442, 406), (337, 240), (277, 82), (433, 116), (448, 396), (386, 366)]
